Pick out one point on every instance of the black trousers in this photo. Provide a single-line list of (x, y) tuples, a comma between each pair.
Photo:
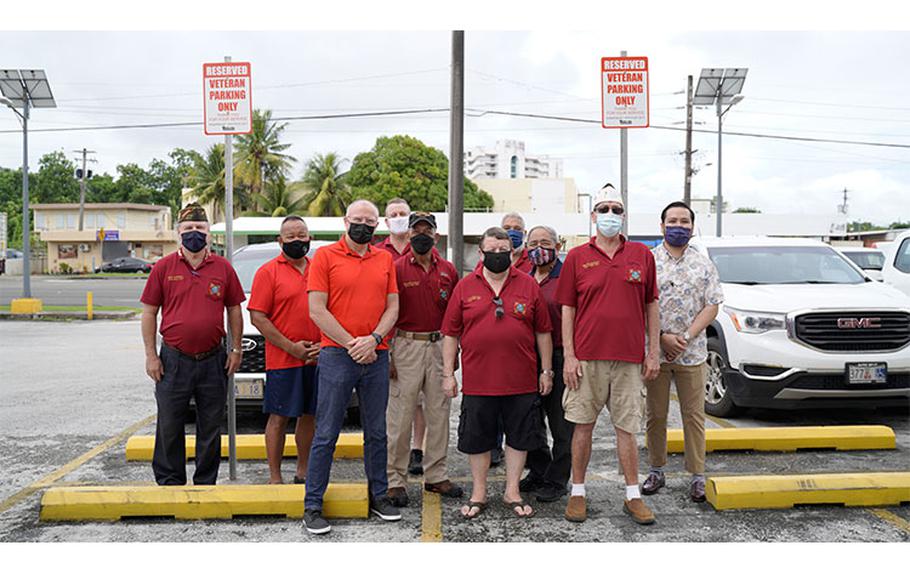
[(206, 382), (554, 467)]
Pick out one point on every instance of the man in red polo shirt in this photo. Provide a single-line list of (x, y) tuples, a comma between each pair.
[(280, 311), (608, 292), (425, 284), (499, 316), (353, 299), (192, 288)]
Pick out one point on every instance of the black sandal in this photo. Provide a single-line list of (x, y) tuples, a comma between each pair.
[(520, 504)]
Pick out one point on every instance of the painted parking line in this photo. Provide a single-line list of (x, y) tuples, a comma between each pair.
[(431, 518), (52, 478)]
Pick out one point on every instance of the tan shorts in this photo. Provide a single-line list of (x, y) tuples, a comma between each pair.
[(614, 384)]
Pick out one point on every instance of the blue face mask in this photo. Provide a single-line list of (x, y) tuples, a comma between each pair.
[(677, 236), (194, 241), (609, 224), (517, 238)]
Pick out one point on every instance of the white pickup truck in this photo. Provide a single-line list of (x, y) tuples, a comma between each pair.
[(801, 327)]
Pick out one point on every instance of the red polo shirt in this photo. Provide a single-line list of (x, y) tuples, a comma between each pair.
[(387, 246), (357, 286), (423, 295), (548, 290), (610, 296), (192, 300), (498, 355), (279, 291)]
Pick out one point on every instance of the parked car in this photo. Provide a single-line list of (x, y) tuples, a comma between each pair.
[(13, 253), (870, 260), (802, 327), (126, 264), (896, 270)]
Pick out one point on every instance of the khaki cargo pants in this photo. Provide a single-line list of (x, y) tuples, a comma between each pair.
[(690, 387)]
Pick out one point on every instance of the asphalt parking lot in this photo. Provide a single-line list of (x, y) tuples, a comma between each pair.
[(77, 388)]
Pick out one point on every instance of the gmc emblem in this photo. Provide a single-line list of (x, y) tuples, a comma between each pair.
[(859, 323)]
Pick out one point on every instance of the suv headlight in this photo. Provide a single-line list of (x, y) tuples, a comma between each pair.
[(755, 322)]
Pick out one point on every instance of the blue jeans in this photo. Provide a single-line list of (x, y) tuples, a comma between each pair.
[(339, 376)]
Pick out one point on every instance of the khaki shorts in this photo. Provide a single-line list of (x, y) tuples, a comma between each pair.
[(614, 384)]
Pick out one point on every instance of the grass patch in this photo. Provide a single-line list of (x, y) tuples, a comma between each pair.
[(5, 308)]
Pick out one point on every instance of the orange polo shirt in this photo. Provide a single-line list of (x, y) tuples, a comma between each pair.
[(357, 287)]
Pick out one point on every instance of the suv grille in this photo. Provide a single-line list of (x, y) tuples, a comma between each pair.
[(856, 331), (253, 354)]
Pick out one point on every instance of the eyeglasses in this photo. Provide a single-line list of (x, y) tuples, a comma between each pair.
[(500, 311), (617, 209), (371, 222)]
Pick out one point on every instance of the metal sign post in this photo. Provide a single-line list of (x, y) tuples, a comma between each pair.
[(228, 111)]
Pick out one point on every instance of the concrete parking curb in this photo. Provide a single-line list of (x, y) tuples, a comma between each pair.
[(790, 439), (249, 447), (66, 316)]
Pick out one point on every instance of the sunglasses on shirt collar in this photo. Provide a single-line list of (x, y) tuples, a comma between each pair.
[(617, 209), (500, 311)]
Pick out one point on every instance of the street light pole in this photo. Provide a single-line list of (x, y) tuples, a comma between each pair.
[(26, 225), (719, 205)]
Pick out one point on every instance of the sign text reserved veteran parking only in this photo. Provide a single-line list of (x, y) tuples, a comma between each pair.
[(228, 106), (625, 92)]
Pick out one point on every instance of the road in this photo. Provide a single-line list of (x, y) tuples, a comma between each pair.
[(60, 291), (70, 388)]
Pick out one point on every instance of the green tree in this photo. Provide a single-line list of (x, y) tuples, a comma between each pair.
[(900, 225), (403, 166), (326, 191), (858, 226), (207, 183), (278, 200), (55, 180), (260, 152)]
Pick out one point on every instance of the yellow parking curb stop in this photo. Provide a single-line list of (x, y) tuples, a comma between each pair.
[(111, 503), (249, 447), (786, 491), (790, 439)]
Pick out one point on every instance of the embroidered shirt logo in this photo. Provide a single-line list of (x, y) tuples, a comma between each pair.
[(519, 308), (471, 299), (591, 264), (444, 294), (216, 289), (411, 283), (633, 275), (175, 278)]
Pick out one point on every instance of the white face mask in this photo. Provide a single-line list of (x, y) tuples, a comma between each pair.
[(398, 225)]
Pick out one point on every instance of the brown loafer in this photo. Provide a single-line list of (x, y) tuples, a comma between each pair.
[(576, 510), (398, 496), (445, 488), (639, 512)]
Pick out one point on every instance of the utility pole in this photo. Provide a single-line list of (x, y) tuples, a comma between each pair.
[(83, 175), (624, 170), (843, 208), (456, 154), (687, 191)]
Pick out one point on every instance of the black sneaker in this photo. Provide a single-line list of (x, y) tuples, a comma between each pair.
[(496, 457), (550, 492), (382, 508), (415, 463), (314, 523), (530, 484)]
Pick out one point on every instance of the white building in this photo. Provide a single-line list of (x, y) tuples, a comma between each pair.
[(508, 160)]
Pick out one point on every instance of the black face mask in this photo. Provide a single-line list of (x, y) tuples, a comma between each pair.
[(360, 233), (497, 262), (296, 249), (421, 243), (193, 241)]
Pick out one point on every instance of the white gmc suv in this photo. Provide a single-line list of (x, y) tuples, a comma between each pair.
[(802, 327)]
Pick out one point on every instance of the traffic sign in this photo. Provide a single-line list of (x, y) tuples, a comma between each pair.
[(624, 86), (228, 104)]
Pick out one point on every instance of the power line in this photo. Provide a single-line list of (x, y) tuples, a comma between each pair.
[(814, 103)]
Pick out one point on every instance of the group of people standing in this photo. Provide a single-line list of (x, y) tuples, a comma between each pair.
[(543, 344)]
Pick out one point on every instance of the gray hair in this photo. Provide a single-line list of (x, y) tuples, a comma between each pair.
[(513, 215), (550, 231), (497, 233), (362, 202)]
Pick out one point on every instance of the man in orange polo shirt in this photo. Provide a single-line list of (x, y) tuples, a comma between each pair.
[(353, 299), (279, 310), (608, 291), (498, 315), (192, 288)]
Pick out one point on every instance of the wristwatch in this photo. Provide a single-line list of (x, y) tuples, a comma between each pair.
[(377, 337), (548, 372), (235, 350)]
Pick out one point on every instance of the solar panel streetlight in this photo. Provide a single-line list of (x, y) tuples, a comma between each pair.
[(25, 88), (720, 87)]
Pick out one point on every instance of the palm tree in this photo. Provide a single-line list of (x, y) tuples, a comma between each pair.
[(207, 182), (327, 193), (259, 153), (278, 200)]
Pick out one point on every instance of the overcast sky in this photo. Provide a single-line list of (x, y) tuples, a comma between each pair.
[(832, 85)]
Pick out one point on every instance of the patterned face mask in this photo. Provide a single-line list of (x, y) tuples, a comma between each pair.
[(542, 256)]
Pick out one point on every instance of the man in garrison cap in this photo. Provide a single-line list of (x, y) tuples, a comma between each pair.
[(192, 288)]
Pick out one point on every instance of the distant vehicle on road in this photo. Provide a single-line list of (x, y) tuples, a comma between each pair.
[(869, 259), (13, 253), (126, 264), (802, 327), (896, 270)]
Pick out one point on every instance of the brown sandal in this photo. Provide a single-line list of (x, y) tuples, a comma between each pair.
[(520, 504), (481, 507)]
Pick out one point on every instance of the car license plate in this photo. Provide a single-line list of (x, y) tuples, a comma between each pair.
[(867, 373), (249, 388)]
